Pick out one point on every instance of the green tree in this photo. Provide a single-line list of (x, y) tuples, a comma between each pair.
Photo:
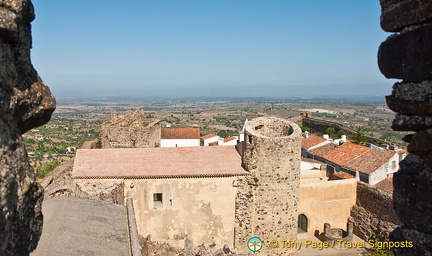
[(46, 168), (359, 137)]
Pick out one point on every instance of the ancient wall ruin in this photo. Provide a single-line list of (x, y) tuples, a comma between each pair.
[(407, 55), (373, 215), (25, 102), (131, 130), (267, 201)]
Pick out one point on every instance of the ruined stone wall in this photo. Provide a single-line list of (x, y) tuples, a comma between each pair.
[(103, 190), (267, 203), (373, 215), (407, 55), (131, 130), (321, 125), (25, 102)]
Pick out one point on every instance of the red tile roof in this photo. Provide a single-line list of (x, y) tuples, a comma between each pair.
[(323, 150), (347, 152), (208, 136), (311, 141), (229, 139), (370, 161), (343, 175), (310, 160), (157, 162), (385, 185), (180, 133)]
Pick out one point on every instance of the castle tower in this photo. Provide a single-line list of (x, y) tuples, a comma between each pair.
[(267, 201)]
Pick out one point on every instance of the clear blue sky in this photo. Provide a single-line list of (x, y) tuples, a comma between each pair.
[(209, 47)]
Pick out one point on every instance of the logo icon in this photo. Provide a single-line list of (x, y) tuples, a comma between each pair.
[(255, 244)]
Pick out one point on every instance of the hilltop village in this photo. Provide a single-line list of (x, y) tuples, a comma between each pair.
[(211, 194)]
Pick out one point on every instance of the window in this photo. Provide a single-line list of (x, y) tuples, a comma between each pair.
[(393, 165), (157, 199)]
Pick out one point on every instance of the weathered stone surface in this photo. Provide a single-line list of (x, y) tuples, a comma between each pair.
[(399, 14), (59, 182), (412, 196), (267, 201), (131, 130), (25, 102), (422, 244), (411, 98), (411, 122), (373, 215), (407, 56), (420, 143)]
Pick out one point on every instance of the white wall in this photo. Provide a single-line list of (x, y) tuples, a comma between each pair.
[(171, 143), (386, 170), (210, 140)]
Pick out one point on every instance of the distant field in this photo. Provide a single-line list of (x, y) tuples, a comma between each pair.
[(79, 120)]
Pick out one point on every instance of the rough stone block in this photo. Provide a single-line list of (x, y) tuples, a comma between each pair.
[(411, 98), (411, 122), (407, 56), (399, 14), (412, 202)]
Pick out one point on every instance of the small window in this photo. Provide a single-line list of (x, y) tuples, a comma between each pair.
[(393, 165), (157, 199)]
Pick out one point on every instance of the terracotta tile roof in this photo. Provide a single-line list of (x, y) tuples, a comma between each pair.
[(208, 136), (347, 152), (157, 162), (385, 185), (369, 161), (343, 175), (229, 139), (180, 133), (310, 160), (323, 150), (216, 143), (311, 141)]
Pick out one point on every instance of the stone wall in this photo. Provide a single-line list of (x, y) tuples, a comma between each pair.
[(267, 201), (25, 102), (373, 215), (321, 125), (131, 130), (103, 190), (407, 55)]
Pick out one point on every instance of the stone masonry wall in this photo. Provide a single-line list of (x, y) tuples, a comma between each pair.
[(267, 203), (407, 55), (131, 130), (25, 102), (373, 215)]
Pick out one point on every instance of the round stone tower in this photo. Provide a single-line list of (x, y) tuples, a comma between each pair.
[(268, 201)]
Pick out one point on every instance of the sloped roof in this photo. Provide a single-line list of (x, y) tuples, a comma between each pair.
[(343, 175), (180, 133), (311, 141), (346, 152), (157, 162), (385, 185), (323, 150), (370, 161), (208, 136), (310, 160), (229, 139)]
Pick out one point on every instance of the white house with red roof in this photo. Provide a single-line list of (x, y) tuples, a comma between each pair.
[(209, 138), (364, 163), (180, 137)]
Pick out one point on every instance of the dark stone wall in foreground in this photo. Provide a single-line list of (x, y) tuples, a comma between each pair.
[(25, 102), (407, 55)]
